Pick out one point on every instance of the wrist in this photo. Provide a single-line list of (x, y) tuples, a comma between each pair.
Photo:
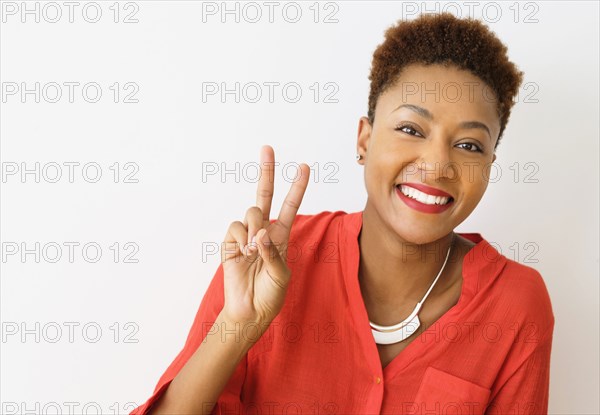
[(242, 333)]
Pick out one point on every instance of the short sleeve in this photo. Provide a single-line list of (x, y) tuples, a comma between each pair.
[(526, 390), (210, 307)]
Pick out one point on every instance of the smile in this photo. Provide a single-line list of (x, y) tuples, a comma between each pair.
[(423, 197), (421, 201)]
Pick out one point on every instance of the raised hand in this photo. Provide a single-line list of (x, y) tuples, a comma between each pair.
[(254, 251)]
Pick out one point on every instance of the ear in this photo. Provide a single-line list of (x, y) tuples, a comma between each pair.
[(364, 135), (494, 158)]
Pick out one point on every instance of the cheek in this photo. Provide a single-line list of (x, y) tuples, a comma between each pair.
[(379, 172), (485, 172), (484, 175), (372, 176), (474, 185), (382, 162)]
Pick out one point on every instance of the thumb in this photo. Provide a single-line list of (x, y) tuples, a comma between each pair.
[(276, 266)]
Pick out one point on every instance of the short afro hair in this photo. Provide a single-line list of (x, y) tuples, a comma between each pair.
[(445, 39)]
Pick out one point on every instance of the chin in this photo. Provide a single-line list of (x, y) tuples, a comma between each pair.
[(420, 235)]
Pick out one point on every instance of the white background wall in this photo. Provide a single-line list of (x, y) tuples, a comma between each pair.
[(544, 214)]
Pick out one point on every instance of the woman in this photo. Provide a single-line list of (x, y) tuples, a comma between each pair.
[(385, 310)]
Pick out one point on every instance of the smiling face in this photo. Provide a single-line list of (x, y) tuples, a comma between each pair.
[(436, 126)]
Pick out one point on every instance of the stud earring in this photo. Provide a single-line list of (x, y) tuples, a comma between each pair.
[(358, 157)]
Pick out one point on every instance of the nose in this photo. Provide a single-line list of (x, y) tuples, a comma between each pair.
[(435, 161)]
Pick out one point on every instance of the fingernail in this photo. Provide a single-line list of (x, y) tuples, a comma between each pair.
[(265, 239), (252, 245)]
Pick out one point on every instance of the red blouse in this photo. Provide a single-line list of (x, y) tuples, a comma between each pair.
[(488, 354)]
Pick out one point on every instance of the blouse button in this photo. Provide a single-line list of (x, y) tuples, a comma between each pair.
[(377, 380)]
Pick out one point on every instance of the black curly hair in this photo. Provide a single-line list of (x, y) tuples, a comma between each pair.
[(445, 39)]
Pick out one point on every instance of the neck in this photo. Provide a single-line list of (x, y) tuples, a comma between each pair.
[(395, 274)]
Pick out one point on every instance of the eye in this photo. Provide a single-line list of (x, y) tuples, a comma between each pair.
[(472, 145), (407, 129)]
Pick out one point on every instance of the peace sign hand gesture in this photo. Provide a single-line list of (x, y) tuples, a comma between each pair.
[(254, 252)]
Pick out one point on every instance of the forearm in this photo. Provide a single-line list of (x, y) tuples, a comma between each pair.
[(201, 380)]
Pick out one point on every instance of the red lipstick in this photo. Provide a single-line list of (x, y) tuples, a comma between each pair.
[(422, 207), (428, 189)]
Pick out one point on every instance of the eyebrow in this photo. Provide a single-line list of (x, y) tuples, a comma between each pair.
[(423, 112)]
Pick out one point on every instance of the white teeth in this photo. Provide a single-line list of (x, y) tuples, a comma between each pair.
[(423, 197)]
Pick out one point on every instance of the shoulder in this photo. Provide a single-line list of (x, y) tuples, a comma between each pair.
[(523, 294), (313, 256), (524, 282), (313, 227)]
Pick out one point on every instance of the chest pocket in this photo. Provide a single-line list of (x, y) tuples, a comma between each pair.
[(443, 393)]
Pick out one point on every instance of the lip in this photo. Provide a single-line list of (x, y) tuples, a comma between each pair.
[(428, 189), (422, 207)]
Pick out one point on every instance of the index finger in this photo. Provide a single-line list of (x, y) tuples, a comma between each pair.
[(264, 193), (292, 201)]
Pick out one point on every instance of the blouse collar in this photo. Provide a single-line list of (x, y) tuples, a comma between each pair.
[(481, 265)]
